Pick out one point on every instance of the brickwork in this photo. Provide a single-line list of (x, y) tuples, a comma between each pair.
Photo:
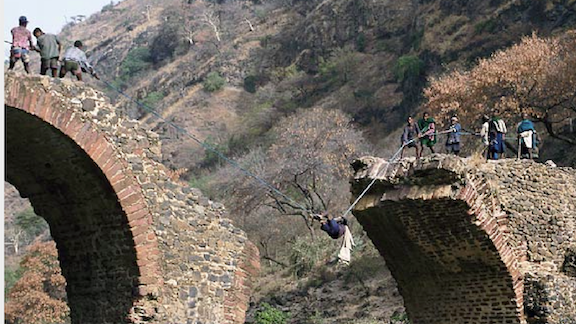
[(134, 246), (457, 242)]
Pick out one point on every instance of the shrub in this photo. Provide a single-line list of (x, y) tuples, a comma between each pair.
[(213, 82), (408, 67), (250, 83), (32, 224), (152, 99), (271, 315), (305, 254), (137, 60)]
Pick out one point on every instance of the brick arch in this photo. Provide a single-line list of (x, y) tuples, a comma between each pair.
[(76, 179), (445, 241)]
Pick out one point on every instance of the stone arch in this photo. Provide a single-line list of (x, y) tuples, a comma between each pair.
[(76, 179), (445, 240)]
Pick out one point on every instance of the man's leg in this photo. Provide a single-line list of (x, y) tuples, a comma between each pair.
[(43, 66), (12, 63)]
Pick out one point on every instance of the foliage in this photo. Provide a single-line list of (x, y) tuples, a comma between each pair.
[(399, 318), (39, 296), (488, 26), (250, 83), (408, 67), (10, 278), (32, 224), (137, 60), (305, 254), (152, 99), (338, 68), (213, 82), (271, 315), (536, 76)]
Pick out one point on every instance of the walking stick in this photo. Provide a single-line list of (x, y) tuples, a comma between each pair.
[(519, 146)]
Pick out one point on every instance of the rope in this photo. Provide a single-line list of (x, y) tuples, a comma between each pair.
[(208, 147), (391, 161), (256, 177)]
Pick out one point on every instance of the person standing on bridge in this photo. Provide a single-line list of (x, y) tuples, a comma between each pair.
[(427, 133), (21, 44), (453, 140), (526, 136), (496, 135), (409, 136), (75, 61), (49, 47)]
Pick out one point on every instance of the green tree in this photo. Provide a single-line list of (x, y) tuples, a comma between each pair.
[(271, 315), (213, 82)]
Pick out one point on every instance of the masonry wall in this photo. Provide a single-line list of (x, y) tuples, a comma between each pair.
[(456, 235), (135, 245)]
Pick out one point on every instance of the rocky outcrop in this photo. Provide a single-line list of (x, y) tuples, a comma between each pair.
[(474, 242)]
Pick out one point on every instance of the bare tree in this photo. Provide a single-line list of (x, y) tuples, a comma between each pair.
[(213, 20)]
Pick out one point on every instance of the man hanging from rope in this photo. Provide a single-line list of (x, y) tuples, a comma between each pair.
[(337, 228)]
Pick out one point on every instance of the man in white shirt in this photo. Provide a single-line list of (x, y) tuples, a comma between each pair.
[(75, 61)]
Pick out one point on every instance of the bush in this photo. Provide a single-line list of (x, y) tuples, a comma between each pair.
[(152, 99), (32, 224), (10, 278), (305, 254), (137, 60), (408, 67), (271, 315), (250, 83), (213, 82)]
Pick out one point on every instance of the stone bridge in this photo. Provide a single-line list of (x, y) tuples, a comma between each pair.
[(135, 246), (471, 242)]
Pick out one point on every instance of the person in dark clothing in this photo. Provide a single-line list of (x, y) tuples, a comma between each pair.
[(453, 139), (409, 136), (496, 135), (334, 227)]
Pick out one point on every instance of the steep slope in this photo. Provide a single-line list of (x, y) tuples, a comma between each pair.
[(337, 54)]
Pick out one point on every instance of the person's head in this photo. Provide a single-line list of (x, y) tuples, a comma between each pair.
[(425, 115), (37, 32), (78, 44), (524, 115), (495, 112), (23, 21), (453, 120), (485, 118), (410, 120)]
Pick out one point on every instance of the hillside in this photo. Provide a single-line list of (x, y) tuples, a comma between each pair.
[(233, 73), (334, 54)]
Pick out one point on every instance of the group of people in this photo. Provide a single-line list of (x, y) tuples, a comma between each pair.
[(425, 132), (74, 59), (493, 134)]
